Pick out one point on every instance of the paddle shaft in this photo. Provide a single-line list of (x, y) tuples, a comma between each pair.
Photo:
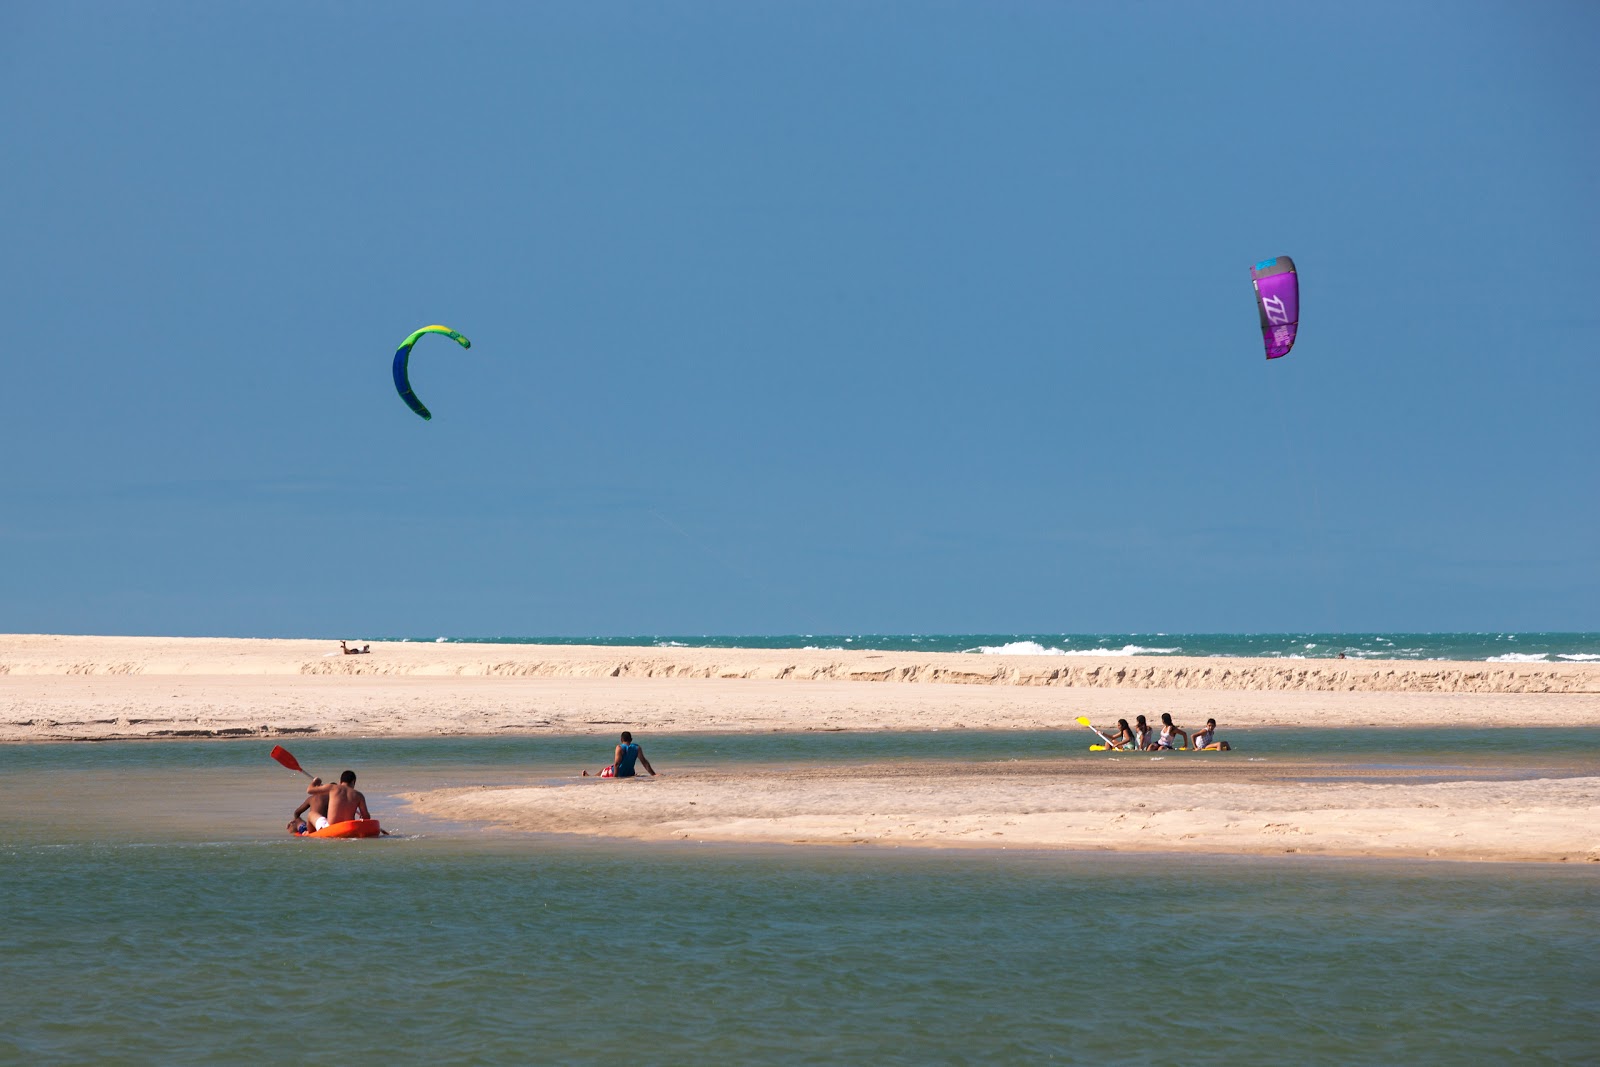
[(1097, 733)]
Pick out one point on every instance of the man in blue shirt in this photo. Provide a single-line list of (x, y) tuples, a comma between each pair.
[(627, 753)]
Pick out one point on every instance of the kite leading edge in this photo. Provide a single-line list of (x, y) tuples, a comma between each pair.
[(402, 365)]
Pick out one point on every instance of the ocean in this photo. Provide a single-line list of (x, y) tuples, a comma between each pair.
[(1485, 647), (157, 913)]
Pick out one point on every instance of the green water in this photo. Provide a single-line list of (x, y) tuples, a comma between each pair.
[(156, 913)]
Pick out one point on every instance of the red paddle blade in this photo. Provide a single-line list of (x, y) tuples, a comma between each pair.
[(281, 754)]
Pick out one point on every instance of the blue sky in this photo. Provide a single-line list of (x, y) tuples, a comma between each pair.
[(789, 318)]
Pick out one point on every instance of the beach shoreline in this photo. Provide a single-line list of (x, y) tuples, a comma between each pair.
[(65, 688), (86, 689)]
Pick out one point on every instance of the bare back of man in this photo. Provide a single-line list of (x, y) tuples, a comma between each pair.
[(345, 802)]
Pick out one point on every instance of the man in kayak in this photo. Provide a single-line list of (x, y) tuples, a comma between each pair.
[(317, 806), (344, 801)]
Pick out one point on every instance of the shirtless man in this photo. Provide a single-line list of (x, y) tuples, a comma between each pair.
[(344, 801), (318, 807)]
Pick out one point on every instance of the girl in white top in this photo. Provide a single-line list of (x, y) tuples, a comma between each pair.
[(1170, 730)]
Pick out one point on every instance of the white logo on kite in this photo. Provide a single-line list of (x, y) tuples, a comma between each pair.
[(1277, 314)]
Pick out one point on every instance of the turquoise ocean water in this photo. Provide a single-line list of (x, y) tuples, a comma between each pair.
[(1490, 647), (157, 913)]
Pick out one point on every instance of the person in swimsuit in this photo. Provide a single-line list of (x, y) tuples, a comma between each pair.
[(1141, 732), (317, 806), (1123, 736), (1169, 731), (629, 752), (1207, 739), (345, 802)]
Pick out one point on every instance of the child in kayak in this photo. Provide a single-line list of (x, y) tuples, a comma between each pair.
[(317, 805)]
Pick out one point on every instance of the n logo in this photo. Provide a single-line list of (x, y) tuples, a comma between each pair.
[(1277, 314)]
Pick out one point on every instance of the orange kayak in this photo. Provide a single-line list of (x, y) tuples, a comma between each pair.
[(352, 828)]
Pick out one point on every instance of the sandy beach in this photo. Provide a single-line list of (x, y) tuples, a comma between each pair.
[(71, 688)]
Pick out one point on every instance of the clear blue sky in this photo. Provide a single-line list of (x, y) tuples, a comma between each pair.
[(822, 317)]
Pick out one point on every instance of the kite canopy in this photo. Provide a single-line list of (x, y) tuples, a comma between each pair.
[(402, 366), (1278, 300)]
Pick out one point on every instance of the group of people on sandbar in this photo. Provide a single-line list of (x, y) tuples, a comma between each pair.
[(364, 650), (1142, 736)]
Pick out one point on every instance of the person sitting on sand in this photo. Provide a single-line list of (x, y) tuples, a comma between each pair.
[(366, 650), (1169, 730), (345, 802), (317, 806), (1141, 733), (1123, 736), (622, 761)]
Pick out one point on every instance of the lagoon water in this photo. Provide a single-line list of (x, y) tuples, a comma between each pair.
[(157, 913)]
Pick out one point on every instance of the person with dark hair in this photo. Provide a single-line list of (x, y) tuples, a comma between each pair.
[(1123, 736), (622, 761), (318, 807), (628, 753), (1169, 733), (345, 802), (1141, 733)]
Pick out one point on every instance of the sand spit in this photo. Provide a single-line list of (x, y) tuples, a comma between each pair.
[(45, 655), (113, 688), (1132, 805)]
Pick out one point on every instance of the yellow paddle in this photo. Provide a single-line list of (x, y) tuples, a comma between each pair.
[(1097, 733)]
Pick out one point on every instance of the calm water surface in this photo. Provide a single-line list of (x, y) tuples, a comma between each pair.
[(156, 913)]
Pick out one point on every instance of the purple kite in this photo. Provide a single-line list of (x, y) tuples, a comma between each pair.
[(1278, 300)]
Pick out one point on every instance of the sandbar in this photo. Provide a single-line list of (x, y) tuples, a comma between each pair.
[(87, 688)]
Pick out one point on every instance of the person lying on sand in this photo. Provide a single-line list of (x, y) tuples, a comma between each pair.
[(317, 806), (345, 802)]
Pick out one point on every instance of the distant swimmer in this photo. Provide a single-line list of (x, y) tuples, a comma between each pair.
[(345, 802), (1169, 733)]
